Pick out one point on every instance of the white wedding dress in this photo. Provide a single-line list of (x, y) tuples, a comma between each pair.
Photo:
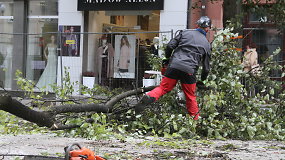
[(49, 75)]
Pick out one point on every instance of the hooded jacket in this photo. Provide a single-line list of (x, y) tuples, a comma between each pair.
[(189, 49)]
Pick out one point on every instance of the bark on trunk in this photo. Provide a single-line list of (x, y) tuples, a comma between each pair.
[(8, 104), (47, 118)]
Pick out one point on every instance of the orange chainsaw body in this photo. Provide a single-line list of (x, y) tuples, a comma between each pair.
[(83, 154), (80, 154)]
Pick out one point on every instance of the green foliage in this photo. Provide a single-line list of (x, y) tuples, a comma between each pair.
[(228, 110), (155, 61), (67, 87), (28, 86), (2, 58), (273, 10), (11, 124), (99, 129)]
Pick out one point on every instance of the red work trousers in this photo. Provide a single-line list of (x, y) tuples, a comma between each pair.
[(167, 84)]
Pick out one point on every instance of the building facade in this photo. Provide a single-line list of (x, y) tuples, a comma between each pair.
[(74, 32), (30, 29)]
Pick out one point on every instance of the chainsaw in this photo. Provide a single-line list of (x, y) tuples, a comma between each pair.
[(76, 152)]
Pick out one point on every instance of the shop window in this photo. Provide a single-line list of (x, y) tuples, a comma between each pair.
[(42, 42), (143, 21), (253, 17), (6, 44), (118, 20), (6, 7), (113, 19), (43, 7), (267, 41)]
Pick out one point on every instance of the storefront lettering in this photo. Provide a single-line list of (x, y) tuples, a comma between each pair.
[(140, 1), (101, 1), (112, 5), (115, 1)]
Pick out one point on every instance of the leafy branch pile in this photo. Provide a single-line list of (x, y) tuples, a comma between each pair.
[(243, 105), (239, 105)]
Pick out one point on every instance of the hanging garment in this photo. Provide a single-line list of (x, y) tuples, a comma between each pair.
[(98, 61)]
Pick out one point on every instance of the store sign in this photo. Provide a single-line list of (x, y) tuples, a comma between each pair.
[(110, 5)]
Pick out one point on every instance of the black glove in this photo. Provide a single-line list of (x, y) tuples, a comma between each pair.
[(165, 61), (200, 85)]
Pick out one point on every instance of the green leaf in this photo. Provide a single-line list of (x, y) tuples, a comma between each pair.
[(121, 130), (269, 126), (174, 125), (250, 131)]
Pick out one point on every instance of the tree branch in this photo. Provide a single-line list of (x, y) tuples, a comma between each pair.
[(8, 104), (47, 118), (119, 97)]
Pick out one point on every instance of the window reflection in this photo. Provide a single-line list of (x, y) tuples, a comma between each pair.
[(43, 7), (267, 41), (6, 7), (253, 17), (42, 28), (6, 44)]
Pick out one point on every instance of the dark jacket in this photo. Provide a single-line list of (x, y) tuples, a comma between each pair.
[(187, 50)]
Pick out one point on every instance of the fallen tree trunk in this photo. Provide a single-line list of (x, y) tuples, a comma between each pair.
[(47, 118), (8, 104)]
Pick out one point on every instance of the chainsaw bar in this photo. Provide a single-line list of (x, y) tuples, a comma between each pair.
[(31, 157)]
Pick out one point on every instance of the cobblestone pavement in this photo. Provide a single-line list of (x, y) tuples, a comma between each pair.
[(50, 145)]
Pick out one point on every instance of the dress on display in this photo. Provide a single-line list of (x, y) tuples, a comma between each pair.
[(154, 49), (48, 77), (104, 69), (105, 63)]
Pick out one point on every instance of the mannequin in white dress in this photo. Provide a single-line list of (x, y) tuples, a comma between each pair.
[(49, 75)]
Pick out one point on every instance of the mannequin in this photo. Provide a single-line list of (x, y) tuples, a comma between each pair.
[(155, 46), (49, 75), (105, 61)]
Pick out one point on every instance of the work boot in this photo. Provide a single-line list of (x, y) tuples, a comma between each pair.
[(196, 116), (144, 101)]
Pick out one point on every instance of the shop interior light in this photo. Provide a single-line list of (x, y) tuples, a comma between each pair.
[(2, 8), (113, 27)]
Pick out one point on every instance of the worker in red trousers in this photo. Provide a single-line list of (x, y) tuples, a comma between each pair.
[(183, 54)]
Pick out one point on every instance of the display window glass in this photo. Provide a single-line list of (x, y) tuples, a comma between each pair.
[(42, 43), (118, 54), (43, 7), (6, 44), (267, 42)]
